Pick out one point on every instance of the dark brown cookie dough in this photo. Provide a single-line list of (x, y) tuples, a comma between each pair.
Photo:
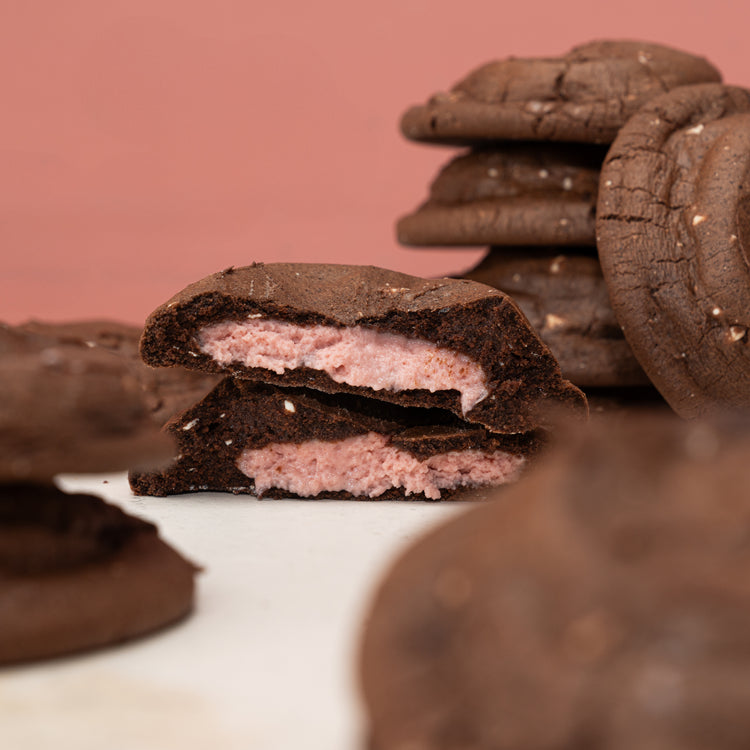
[(565, 298), (171, 391), (584, 96), (77, 573), (599, 603), (241, 415), (450, 318), (521, 194), (67, 407), (673, 228)]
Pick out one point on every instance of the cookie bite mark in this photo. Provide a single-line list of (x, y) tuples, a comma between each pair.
[(356, 356), (367, 465)]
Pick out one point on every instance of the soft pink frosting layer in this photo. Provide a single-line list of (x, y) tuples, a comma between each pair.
[(356, 356), (366, 465)]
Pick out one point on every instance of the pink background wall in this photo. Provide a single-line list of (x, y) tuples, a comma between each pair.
[(147, 143)]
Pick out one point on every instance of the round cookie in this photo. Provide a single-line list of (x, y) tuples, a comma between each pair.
[(170, 390), (583, 96), (673, 231), (71, 407), (524, 194), (77, 573), (565, 299), (599, 603)]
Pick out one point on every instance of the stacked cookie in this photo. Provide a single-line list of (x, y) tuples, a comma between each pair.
[(351, 381), (538, 131), (75, 572)]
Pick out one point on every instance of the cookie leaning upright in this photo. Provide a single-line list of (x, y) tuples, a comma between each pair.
[(585, 96), (452, 344), (673, 230)]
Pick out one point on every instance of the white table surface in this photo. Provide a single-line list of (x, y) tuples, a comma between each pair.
[(266, 661)]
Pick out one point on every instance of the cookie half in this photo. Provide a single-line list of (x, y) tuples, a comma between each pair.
[(255, 438), (77, 573), (606, 593), (565, 298), (445, 343), (673, 228), (525, 194), (584, 96)]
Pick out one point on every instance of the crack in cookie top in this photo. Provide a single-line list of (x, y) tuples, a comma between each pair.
[(583, 96), (673, 231)]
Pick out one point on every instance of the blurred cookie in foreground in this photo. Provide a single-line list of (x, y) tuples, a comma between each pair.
[(169, 391), (77, 573), (69, 407), (600, 602)]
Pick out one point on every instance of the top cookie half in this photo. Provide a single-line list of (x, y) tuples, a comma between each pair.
[(446, 343), (584, 96)]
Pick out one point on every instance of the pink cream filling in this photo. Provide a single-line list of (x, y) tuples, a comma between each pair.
[(356, 356), (366, 465)]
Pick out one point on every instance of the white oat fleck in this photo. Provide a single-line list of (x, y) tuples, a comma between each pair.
[(222, 415), (716, 312), (289, 406), (698, 219), (697, 130), (492, 172), (736, 333), (643, 57), (556, 264), (228, 442), (191, 424), (192, 354), (564, 222), (544, 174), (253, 316), (567, 183), (552, 322), (609, 183)]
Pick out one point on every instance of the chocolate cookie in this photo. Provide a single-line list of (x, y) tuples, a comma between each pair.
[(600, 603), (77, 573), (446, 343), (248, 437), (524, 194), (68, 407), (584, 96), (673, 227), (171, 390), (565, 298)]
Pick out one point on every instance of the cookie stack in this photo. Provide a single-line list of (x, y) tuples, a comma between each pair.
[(538, 132), (352, 382), (75, 572)]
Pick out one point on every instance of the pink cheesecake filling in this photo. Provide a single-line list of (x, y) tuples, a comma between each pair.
[(366, 465), (355, 356)]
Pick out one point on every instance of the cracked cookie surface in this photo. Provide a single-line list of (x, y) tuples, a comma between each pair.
[(673, 232), (584, 96)]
